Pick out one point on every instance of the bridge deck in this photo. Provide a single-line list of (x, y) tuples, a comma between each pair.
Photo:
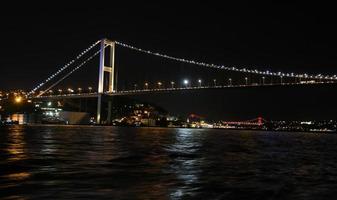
[(158, 90)]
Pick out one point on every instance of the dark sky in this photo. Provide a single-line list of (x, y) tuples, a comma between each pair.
[(37, 39)]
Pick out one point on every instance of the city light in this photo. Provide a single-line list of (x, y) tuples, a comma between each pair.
[(159, 84), (18, 99), (70, 90)]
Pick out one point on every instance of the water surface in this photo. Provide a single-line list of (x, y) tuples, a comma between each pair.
[(83, 162)]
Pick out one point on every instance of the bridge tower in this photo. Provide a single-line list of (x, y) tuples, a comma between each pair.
[(106, 70)]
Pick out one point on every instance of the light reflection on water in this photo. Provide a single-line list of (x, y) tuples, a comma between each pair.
[(17, 176), (187, 143), (66, 162), (16, 146)]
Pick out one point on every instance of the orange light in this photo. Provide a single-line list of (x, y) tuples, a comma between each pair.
[(18, 99)]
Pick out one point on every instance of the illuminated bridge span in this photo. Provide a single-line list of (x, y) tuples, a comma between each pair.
[(162, 90), (253, 122), (107, 78)]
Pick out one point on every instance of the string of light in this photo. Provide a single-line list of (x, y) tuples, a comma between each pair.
[(69, 73), (244, 70), (64, 67)]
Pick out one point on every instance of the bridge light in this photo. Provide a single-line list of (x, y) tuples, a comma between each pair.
[(159, 84), (230, 81), (60, 91), (90, 89), (79, 90), (214, 80), (49, 103)]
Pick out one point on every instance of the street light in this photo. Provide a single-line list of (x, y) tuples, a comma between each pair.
[(146, 85), (60, 91), (263, 78), (79, 90), (159, 84), (70, 90), (246, 79), (50, 92), (199, 81), (90, 89), (172, 84), (214, 80), (281, 78), (186, 82), (230, 81), (135, 86)]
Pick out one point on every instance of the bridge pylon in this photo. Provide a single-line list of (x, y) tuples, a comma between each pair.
[(106, 66)]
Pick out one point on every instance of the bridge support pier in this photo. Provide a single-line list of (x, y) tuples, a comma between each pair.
[(106, 65), (99, 109), (109, 120)]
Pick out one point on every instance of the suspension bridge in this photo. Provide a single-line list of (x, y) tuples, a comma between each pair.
[(253, 122), (107, 77)]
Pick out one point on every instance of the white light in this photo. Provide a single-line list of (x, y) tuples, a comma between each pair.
[(186, 81)]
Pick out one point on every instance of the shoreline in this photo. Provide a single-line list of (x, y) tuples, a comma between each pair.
[(231, 129)]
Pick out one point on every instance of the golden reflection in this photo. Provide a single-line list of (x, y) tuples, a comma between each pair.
[(16, 197), (17, 176), (16, 145)]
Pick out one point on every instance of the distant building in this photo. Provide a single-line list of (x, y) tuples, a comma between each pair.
[(75, 117), (18, 118)]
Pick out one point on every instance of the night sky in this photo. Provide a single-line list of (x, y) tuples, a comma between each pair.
[(38, 39)]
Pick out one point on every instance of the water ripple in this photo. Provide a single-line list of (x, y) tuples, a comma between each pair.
[(66, 162)]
